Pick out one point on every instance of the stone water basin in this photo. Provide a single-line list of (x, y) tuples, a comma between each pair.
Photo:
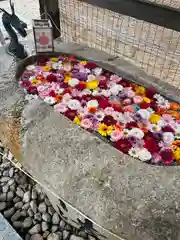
[(92, 184)]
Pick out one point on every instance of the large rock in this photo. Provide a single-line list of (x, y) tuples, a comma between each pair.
[(88, 177)]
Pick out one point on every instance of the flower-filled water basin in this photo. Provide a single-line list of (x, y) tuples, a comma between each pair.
[(135, 120)]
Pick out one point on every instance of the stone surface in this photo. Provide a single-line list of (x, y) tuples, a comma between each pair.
[(140, 201), (35, 229)]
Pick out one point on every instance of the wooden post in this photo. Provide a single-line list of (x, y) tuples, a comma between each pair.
[(51, 8)]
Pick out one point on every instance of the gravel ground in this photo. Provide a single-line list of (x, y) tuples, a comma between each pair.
[(27, 208)]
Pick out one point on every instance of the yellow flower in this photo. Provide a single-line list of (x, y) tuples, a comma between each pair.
[(176, 154), (34, 82), (77, 120), (67, 79), (54, 59), (140, 90), (92, 84), (83, 62), (154, 118), (46, 68), (68, 74), (105, 130), (146, 100)]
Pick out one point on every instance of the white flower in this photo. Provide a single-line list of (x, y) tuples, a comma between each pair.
[(96, 92), (30, 67), (91, 78), (74, 104), (59, 91), (168, 137), (85, 92), (154, 127), (50, 100), (118, 117), (60, 107), (106, 93), (99, 115), (30, 97), (133, 152), (66, 98), (136, 132), (73, 82), (144, 113), (32, 78), (116, 89), (92, 103), (144, 154), (97, 71), (125, 133), (55, 65)]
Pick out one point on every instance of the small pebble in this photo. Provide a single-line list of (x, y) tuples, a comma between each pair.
[(27, 223), (30, 212), (62, 225), (65, 235), (35, 229), (48, 203), (3, 197), (5, 188), (26, 206), (46, 234), (55, 218), (8, 213), (33, 206), (46, 217), (11, 182), (16, 199), (16, 216), (73, 237), (27, 237), (44, 226), (53, 236), (34, 194), (2, 206), (36, 237), (4, 179), (11, 172), (38, 217), (51, 210), (27, 197), (42, 208), (83, 234), (23, 213), (18, 205), (54, 228), (10, 196), (19, 192), (5, 174), (17, 224)]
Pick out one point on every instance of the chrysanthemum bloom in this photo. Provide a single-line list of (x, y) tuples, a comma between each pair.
[(105, 130)]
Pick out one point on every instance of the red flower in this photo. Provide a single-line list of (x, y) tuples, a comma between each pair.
[(32, 90), (168, 129), (109, 120), (131, 125), (150, 92), (124, 83), (103, 102), (167, 156), (51, 78), (103, 84), (117, 108), (151, 145), (52, 93), (67, 91), (71, 114), (42, 61), (90, 65), (123, 145), (25, 84), (81, 86), (144, 105), (87, 98)]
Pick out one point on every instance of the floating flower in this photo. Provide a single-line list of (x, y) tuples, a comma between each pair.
[(133, 152), (50, 100), (144, 154), (86, 123), (74, 104), (108, 111), (105, 130), (140, 90), (116, 89), (92, 103), (54, 59), (154, 118), (66, 98), (116, 135), (73, 82), (123, 145), (136, 132), (92, 84), (166, 156), (115, 78), (176, 154), (151, 145), (146, 100), (168, 137), (30, 67), (46, 68), (100, 115), (60, 107), (137, 99)]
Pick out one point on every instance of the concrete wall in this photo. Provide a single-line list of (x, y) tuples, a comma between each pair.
[(155, 49)]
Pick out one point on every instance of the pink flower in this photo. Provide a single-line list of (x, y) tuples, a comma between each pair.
[(115, 78), (60, 107), (108, 111), (116, 135), (130, 93), (44, 94), (137, 99), (86, 123)]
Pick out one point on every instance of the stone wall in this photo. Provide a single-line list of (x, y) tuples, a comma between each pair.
[(155, 49)]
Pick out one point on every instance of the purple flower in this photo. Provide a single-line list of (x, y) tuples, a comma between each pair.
[(80, 76), (64, 85)]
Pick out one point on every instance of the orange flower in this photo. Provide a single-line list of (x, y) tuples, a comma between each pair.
[(92, 110), (161, 111), (129, 108), (59, 98), (143, 127), (174, 114), (176, 143), (174, 106), (41, 78), (118, 127)]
